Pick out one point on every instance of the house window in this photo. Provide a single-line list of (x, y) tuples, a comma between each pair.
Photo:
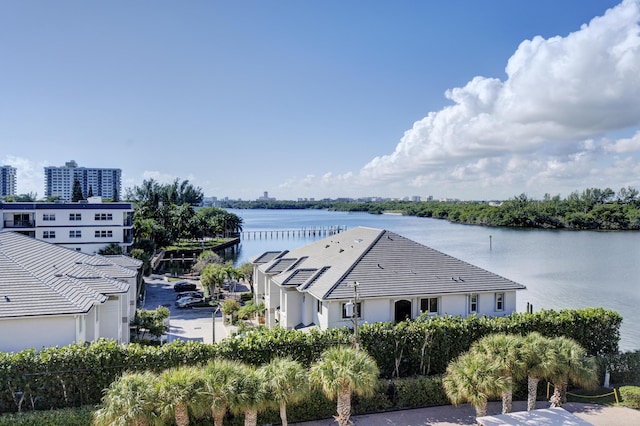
[(357, 307), (49, 234), (473, 303), (103, 234), (499, 301), (75, 234), (104, 216), (75, 216), (319, 306), (49, 217), (429, 305)]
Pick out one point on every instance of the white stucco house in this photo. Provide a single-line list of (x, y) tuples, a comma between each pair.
[(51, 295), (387, 276)]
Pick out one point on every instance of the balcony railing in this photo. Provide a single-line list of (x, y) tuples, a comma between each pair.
[(19, 224)]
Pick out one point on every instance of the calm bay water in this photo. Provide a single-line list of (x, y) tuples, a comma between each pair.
[(561, 269)]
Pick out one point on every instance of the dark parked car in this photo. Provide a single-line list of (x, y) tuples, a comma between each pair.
[(183, 286)]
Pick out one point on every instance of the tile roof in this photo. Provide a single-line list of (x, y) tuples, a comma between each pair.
[(383, 264), (39, 278)]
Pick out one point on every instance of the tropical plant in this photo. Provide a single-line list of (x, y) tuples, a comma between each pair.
[(341, 372), (505, 350), (539, 358), (571, 364), (471, 378), (212, 277), (249, 394), (220, 377), (287, 383), (130, 400), (246, 272), (180, 391)]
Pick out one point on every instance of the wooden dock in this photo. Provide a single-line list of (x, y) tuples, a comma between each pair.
[(320, 231)]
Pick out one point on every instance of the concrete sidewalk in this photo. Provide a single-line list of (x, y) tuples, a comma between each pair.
[(448, 415)]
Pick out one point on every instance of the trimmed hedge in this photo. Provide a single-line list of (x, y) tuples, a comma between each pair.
[(75, 375), (630, 396), (624, 367)]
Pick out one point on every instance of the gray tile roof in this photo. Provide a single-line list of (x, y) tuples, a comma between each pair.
[(39, 278), (384, 264)]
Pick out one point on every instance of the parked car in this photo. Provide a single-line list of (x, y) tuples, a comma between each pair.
[(197, 294), (187, 302), (180, 286)]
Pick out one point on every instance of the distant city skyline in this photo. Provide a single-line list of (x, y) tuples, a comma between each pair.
[(332, 99)]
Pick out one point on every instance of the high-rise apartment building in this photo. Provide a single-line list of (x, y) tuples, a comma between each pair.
[(7, 181), (59, 181)]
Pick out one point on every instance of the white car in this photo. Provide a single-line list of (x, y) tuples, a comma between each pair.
[(187, 302), (197, 294)]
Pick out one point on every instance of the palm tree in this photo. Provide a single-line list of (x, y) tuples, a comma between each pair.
[(220, 377), (506, 352), (249, 394), (179, 392), (130, 400), (540, 361), (471, 378), (571, 364), (342, 371), (287, 383)]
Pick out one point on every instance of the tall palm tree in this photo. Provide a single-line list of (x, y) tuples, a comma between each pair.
[(249, 395), (505, 350), (471, 378), (220, 377), (540, 360), (342, 371), (130, 400), (287, 383), (572, 364), (180, 392)]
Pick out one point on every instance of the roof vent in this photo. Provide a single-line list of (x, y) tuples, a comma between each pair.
[(7, 299), (327, 246), (341, 250), (380, 266), (58, 275)]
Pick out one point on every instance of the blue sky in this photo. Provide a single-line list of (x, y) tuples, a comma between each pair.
[(459, 99)]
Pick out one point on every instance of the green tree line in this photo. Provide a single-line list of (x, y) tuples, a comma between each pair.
[(593, 208), (165, 214)]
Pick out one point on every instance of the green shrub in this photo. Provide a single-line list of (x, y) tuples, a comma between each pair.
[(624, 367), (630, 396), (419, 391), (78, 416)]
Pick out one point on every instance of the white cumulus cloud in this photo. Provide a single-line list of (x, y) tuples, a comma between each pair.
[(544, 128)]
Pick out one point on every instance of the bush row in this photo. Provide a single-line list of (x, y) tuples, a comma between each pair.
[(75, 375), (389, 395)]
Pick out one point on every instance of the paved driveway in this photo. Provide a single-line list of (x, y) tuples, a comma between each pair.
[(449, 415), (184, 324)]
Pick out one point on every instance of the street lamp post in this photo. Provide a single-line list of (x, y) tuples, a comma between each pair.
[(213, 316), (353, 311)]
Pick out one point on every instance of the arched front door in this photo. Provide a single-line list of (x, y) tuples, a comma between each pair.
[(402, 310)]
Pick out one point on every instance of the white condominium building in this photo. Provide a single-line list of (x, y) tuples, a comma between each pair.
[(7, 181), (85, 226), (105, 183)]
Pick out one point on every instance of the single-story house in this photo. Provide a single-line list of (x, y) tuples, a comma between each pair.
[(52, 295), (385, 276)]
